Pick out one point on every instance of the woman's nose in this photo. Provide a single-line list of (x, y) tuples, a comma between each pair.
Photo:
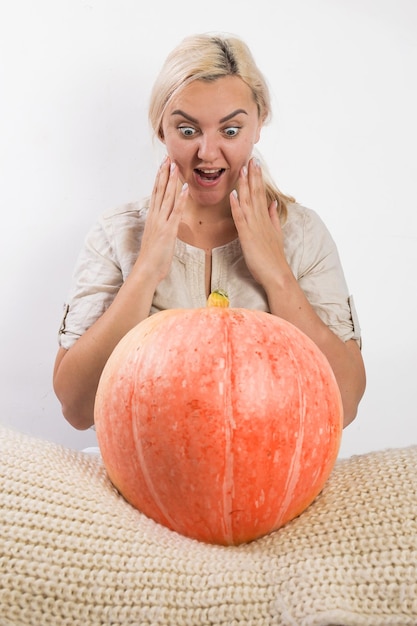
[(208, 148)]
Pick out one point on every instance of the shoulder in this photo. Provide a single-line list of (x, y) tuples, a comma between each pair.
[(116, 236), (302, 219), (307, 240), (133, 212), (304, 226), (119, 225)]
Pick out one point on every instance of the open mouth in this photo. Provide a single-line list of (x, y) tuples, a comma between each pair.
[(209, 175)]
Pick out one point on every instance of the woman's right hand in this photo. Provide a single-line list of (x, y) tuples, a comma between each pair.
[(78, 370), (161, 228)]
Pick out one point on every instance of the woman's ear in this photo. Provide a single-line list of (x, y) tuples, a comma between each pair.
[(161, 134), (258, 131)]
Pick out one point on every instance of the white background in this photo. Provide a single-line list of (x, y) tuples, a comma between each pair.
[(75, 78)]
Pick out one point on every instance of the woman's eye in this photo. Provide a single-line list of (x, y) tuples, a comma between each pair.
[(187, 131), (232, 131)]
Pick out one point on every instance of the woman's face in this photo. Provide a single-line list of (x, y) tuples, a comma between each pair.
[(209, 130)]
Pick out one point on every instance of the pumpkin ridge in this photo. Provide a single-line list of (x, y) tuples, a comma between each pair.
[(229, 425), (144, 468), (295, 465)]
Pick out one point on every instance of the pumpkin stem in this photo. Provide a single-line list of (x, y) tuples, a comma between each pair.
[(218, 298)]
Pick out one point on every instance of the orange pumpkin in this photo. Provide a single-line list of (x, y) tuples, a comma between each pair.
[(220, 423)]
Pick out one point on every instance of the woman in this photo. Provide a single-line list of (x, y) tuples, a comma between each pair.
[(214, 220)]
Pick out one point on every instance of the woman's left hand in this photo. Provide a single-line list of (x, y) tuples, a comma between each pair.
[(261, 239), (258, 227)]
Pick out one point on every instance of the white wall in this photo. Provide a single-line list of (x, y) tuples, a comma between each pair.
[(75, 78)]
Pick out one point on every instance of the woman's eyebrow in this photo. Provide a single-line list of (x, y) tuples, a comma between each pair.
[(183, 114), (229, 117), (224, 119)]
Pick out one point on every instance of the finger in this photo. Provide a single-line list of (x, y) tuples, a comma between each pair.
[(252, 189), (160, 184), (256, 185), (244, 191), (235, 208), (255, 178), (274, 216), (170, 192), (179, 205)]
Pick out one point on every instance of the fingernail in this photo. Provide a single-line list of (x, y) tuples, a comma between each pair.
[(257, 162), (173, 166), (234, 193), (164, 160), (184, 188), (244, 170)]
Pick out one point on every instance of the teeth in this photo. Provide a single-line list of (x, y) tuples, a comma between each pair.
[(210, 171)]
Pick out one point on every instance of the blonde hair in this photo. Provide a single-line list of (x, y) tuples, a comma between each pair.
[(208, 57)]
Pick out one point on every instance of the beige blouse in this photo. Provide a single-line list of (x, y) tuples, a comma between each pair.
[(111, 249)]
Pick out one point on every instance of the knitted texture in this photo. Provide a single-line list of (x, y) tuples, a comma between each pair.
[(73, 552)]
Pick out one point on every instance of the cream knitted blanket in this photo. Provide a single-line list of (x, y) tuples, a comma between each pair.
[(74, 553)]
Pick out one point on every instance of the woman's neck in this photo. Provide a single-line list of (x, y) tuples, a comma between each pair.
[(207, 227)]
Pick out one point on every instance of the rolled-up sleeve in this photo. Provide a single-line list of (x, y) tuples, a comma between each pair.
[(97, 279), (315, 261), (109, 252)]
